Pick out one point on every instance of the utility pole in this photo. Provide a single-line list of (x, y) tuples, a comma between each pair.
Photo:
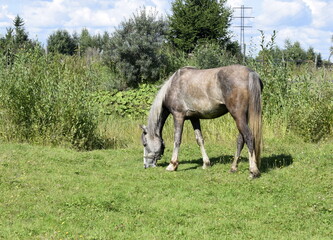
[(243, 26)]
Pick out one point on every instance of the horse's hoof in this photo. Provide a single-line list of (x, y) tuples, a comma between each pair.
[(233, 170), (171, 167), (206, 165), (254, 175)]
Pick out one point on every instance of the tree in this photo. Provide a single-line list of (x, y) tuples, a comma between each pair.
[(135, 47), (197, 21), (84, 41), (16, 39), (21, 37), (61, 42), (294, 52), (88, 43), (319, 61), (310, 54)]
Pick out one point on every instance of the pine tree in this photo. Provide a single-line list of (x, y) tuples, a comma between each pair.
[(21, 36), (61, 42), (196, 21), (15, 40)]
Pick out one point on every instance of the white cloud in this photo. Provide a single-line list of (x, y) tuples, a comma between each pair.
[(277, 13), (84, 13), (6, 17), (307, 36), (46, 14), (235, 3), (44, 17), (322, 13)]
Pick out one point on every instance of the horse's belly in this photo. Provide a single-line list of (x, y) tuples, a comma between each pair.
[(208, 113)]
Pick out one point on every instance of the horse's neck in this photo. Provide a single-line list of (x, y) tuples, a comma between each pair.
[(156, 123), (158, 114)]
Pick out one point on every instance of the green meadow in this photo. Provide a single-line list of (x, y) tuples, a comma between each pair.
[(59, 193)]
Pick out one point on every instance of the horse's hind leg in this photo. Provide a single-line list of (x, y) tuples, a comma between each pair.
[(198, 135), (248, 138), (240, 145)]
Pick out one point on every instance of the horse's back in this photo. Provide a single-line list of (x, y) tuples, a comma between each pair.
[(203, 93), (213, 83)]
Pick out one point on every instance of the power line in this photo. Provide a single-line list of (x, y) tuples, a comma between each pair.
[(242, 26)]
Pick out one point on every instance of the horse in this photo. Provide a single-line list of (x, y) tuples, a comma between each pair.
[(194, 94)]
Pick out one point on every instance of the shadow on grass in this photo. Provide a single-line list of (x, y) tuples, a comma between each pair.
[(275, 161), (225, 159), (267, 163)]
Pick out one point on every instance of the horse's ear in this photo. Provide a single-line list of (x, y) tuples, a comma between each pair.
[(144, 128)]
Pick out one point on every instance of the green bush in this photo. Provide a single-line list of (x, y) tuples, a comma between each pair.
[(311, 106), (210, 55), (45, 99), (299, 97)]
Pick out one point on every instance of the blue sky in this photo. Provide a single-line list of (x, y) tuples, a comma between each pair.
[(308, 21)]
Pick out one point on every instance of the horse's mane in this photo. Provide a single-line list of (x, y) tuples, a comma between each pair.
[(157, 106)]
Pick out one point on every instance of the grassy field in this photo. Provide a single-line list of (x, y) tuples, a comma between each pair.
[(57, 193), (61, 107)]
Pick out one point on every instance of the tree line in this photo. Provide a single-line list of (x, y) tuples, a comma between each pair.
[(292, 52), (147, 46)]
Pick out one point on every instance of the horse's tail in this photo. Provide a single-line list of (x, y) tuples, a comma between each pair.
[(255, 115)]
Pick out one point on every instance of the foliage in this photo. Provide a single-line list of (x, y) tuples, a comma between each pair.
[(61, 42), (175, 58), (211, 55), (83, 44), (294, 51), (311, 106), (44, 99), (299, 96), (131, 103), (135, 47), (193, 22), (90, 45)]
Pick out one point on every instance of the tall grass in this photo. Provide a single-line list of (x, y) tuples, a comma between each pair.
[(45, 99), (299, 97)]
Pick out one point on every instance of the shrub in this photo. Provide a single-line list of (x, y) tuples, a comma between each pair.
[(311, 106), (211, 55), (299, 97), (45, 99)]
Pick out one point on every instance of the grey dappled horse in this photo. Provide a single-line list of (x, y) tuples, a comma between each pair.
[(194, 94)]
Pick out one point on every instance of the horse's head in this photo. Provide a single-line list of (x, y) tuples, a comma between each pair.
[(153, 148)]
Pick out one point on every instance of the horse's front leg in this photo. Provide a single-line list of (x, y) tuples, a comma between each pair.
[(178, 125)]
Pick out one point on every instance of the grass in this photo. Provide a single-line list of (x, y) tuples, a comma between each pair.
[(57, 193)]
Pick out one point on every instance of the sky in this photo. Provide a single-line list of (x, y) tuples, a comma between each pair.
[(308, 21)]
